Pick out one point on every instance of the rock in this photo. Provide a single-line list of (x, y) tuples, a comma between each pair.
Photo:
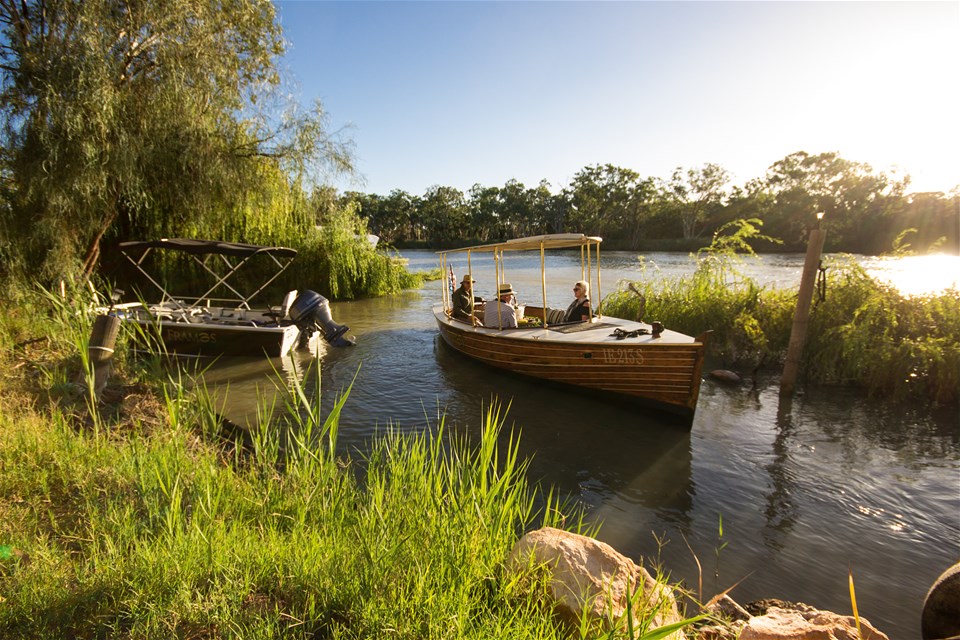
[(941, 608), (780, 624), (729, 631), (725, 607), (726, 376), (589, 576), (760, 607)]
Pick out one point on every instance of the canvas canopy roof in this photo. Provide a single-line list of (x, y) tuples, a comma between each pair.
[(547, 241)]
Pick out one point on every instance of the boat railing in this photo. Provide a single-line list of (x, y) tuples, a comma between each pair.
[(220, 260)]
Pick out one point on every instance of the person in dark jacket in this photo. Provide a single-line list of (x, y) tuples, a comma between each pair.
[(463, 300), (579, 309)]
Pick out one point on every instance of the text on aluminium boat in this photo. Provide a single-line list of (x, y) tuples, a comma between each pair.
[(661, 368)]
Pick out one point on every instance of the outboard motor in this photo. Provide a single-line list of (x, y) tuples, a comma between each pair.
[(312, 311)]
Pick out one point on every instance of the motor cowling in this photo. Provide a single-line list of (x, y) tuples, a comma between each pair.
[(311, 311)]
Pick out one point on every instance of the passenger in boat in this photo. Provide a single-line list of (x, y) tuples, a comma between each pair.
[(504, 311), (579, 309), (463, 300)]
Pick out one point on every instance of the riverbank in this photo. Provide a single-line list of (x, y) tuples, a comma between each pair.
[(137, 517), (141, 516), (40, 370), (862, 332)]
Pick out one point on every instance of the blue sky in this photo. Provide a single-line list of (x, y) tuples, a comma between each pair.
[(459, 93)]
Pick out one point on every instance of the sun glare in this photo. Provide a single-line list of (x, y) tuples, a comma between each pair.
[(917, 275)]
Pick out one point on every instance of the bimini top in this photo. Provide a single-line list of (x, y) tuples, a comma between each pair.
[(201, 247), (547, 241)]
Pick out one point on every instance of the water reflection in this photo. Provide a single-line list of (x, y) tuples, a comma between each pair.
[(780, 511), (806, 489)]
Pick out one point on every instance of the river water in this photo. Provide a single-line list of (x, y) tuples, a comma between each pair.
[(803, 490)]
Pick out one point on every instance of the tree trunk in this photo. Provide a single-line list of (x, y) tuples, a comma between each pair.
[(93, 251)]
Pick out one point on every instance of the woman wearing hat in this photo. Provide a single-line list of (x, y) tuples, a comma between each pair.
[(504, 315), (463, 300), (579, 309)]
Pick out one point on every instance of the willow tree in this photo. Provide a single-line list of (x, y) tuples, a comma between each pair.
[(130, 117)]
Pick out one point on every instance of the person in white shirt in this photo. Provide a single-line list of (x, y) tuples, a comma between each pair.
[(503, 315)]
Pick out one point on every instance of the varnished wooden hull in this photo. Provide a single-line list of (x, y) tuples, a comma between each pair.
[(663, 372)]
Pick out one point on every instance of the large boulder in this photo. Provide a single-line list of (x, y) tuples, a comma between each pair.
[(781, 624), (941, 609), (589, 577)]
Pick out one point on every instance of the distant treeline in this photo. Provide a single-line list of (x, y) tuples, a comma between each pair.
[(864, 211)]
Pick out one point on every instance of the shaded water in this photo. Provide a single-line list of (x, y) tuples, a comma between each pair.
[(805, 489)]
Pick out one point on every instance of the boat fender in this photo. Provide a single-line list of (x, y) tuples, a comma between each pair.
[(311, 310)]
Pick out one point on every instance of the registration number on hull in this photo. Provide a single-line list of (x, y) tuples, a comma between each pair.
[(622, 356)]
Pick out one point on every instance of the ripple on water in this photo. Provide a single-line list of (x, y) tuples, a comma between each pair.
[(805, 489)]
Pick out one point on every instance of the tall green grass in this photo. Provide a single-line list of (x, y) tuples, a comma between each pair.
[(863, 333), (149, 524)]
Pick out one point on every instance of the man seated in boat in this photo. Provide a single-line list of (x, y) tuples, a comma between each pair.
[(579, 309), (463, 300), (502, 315)]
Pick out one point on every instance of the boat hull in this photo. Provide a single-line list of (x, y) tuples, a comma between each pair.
[(220, 332), (232, 341), (663, 372)]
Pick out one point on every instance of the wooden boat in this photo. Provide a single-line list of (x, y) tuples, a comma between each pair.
[(207, 325), (645, 363)]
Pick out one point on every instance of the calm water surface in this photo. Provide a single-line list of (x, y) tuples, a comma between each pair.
[(805, 489)]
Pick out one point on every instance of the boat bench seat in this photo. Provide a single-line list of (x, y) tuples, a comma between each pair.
[(553, 316)]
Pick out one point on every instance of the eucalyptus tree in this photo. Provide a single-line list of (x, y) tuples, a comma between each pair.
[(694, 193), (444, 214), (609, 201), (134, 117), (858, 203), (519, 208), (390, 217), (485, 213)]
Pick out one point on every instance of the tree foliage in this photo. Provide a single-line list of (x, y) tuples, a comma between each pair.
[(865, 211), (135, 119)]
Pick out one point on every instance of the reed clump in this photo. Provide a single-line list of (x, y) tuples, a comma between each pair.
[(148, 523), (862, 333)]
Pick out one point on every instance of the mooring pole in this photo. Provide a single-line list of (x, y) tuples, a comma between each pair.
[(801, 317), (103, 337)]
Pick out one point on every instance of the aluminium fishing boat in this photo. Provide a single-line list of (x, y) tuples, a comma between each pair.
[(205, 324), (628, 359)]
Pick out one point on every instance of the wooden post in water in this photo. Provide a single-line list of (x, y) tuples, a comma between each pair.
[(801, 317)]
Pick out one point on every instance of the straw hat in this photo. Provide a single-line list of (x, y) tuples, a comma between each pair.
[(467, 278), (506, 289)]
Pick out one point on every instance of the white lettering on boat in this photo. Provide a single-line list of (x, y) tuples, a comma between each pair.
[(191, 336)]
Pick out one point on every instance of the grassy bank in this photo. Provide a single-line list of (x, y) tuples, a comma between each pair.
[(136, 518), (862, 332)]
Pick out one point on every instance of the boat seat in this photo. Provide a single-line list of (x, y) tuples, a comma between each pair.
[(555, 316)]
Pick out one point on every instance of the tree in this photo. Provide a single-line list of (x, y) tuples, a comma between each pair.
[(609, 201), (444, 214), (694, 192), (485, 212), (131, 117), (857, 203)]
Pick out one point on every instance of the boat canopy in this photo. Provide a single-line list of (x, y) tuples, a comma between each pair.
[(221, 260), (589, 260), (201, 247), (530, 243)]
